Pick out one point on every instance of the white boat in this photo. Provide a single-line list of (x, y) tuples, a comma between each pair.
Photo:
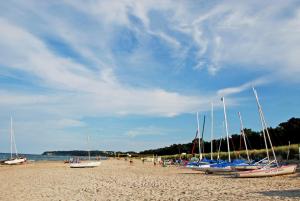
[(246, 167), (251, 166), (85, 164), (268, 171), (17, 160), (272, 168), (219, 170)]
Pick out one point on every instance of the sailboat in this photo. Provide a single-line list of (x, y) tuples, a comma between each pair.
[(224, 167), (85, 164), (17, 160), (207, 164), (196, 164), (272, 168), (249, 164)]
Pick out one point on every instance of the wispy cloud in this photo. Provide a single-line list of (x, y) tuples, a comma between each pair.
[(234, 90), (147, 131), (101, 87)]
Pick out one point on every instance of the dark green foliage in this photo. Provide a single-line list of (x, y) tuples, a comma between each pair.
[(281, 135)]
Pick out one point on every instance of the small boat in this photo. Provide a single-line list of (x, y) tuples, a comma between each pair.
[(224, 167), (203, 165), (85, 164), (250, 166), (268, 171), (272, 168), (17, 160), (246, 167)]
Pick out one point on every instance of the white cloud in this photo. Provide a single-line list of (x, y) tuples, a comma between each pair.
[(147, 131), (234, 90), (101, 93)]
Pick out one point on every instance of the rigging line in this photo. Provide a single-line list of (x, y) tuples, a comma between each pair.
[(203, 127)]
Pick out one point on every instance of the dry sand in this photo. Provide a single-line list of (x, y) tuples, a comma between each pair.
[(118, 180)]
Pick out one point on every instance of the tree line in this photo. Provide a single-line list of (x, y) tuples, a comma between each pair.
[(281, 135)]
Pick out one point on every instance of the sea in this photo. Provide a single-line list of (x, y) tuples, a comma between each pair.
[(39, 157)]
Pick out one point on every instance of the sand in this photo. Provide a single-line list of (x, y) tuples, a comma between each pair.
[(118, 180)]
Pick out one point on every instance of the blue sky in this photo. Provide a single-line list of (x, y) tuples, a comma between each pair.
[(132, 74)]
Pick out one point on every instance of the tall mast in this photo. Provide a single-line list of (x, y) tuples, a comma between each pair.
[(88, 140), (244, 136), (212, 131), (262, 122), (199, 142), (11, 137), (265, 127), (203, 127), (14, 140), (226, 127), (220, 143)]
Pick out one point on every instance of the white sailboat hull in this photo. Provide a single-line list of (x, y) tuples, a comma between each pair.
[(219, 170), (246, 167), (202, 168), (15, 161), (268, 172), (89, 164)]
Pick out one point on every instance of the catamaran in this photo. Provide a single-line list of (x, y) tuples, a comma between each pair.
[(272, 168), (17, 160), (206, 165), (85, 164), (224, 167)]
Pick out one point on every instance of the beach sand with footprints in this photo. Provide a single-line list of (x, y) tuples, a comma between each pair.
[(120, 180)]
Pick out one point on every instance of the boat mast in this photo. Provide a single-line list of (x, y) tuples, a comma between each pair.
[(203, 127), (265, 127), (244, 136), (212, 131), (199, 142), (15, 145), (88, 140), (261, 121), (226, 127), (11, 137), (220, 143)]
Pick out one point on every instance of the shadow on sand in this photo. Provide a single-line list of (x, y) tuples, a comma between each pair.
[(295, 193), (190, 173)]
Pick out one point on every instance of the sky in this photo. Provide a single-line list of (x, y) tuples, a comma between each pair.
[(131, 75)]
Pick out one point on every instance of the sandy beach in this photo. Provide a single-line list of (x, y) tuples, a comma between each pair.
[(118, 180)]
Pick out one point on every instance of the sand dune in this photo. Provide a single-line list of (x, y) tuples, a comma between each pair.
[(118, 180)]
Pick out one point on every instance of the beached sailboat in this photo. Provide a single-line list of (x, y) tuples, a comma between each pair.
[(17, 160), (268, 171), (225, 166), (272, 168), (195, 164), (85, 164), (205, 164), (218, 166), (249, 165)]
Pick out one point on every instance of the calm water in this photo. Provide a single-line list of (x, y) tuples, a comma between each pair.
[(37, 157)]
